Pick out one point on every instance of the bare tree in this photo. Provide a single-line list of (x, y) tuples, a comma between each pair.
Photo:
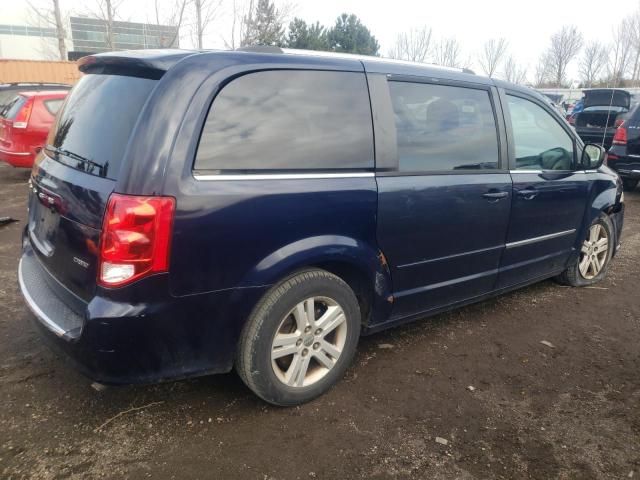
[(414, 45), (264, 23), (492, 54), (60, 32), (243, 21), (174, 19), (51, 17), (634, 29), (238, 25), (107, 11), (620, 52), (593, 61), (513, 72), (205, 12), (447, 53), (542, 71), (565, 45)]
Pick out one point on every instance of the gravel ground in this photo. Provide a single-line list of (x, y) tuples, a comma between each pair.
[(469, 394)]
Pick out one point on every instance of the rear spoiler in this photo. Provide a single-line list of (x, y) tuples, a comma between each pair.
[(136, 63)]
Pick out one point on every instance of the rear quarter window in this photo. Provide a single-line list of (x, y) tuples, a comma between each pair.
[(288, 120), (53, 105)]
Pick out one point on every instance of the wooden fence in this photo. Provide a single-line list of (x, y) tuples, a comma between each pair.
[(38, 71)]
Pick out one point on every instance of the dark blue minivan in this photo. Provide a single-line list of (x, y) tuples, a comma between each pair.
[(196, 211)]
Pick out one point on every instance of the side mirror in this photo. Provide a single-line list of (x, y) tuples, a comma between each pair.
[(593, 156)]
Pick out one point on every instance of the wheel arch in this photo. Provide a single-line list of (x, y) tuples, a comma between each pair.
[(362, 266), (607, 202), (604, 201)]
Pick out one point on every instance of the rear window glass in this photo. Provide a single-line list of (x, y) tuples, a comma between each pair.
[(5, 99), (289, 120), (53, 106), (98, 118), (442, 128), (14, 106)]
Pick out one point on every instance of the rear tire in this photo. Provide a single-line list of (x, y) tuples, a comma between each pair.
[(299, 339), (629, 184), (596, 250)]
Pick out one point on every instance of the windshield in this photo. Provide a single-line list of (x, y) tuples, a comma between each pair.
[(97, 120)]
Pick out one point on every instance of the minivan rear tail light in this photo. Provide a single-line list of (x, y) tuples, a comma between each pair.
[(620, 137), (136, 238), (22, 117)]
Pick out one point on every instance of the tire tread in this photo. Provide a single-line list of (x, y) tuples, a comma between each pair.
[(571, 276), (250, 332)]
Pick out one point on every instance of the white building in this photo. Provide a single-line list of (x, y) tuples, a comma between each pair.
[(21, 39), (29, 43)]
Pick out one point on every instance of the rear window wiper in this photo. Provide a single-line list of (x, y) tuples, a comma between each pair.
[(87, 163)]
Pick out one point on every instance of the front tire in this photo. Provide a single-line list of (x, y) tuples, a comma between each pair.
[(629, 184), (595, 255), (300, 338)]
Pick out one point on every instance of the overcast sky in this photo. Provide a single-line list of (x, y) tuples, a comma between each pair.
[(526, 25)]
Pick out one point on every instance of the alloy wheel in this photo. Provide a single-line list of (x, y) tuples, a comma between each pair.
[(308, 342), (594, 252)]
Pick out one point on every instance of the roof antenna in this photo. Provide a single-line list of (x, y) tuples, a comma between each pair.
[(606, 125)]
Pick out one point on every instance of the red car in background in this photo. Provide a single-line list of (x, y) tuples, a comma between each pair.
[(25, 124)]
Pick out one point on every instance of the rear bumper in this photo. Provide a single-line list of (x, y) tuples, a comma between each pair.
[(114, 341), (627, 166), (44, 303), (629, 173), (17, 159)]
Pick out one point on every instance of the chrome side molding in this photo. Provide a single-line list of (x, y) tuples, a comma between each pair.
[(541, 238), (281, 176)]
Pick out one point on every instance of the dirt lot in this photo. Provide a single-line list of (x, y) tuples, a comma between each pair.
[(571, 411)]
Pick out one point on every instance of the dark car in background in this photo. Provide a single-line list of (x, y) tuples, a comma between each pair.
[(603, 111), (193, 212), (25, 125), (624, 154), (8, 91), (554, 98)]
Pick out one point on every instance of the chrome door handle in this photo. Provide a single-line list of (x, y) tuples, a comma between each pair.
[(495, 195), (528, 193)]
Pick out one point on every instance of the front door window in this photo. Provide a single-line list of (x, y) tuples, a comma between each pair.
[(540, 141)]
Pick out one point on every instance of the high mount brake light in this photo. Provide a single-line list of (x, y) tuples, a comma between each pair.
[(136, 238)]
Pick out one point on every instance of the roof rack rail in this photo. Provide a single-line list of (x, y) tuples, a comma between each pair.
[(468, 70), (260, 49)]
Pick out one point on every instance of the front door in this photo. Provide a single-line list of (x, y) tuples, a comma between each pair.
[(443, 210), (549, 192)]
